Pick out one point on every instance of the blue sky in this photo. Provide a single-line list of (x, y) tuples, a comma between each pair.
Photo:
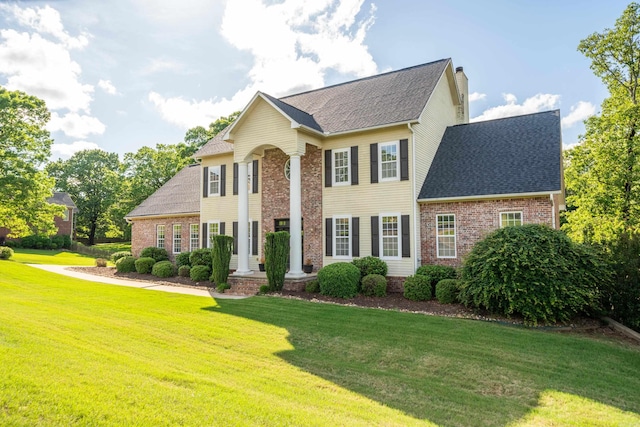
[(122, 74)]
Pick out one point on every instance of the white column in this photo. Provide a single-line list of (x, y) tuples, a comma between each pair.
[(243, 221), (295, 219)]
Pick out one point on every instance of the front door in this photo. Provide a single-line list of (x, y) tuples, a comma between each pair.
[(282, 224)]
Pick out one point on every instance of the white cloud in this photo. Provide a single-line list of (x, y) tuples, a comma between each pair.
[(579, 113), (75, 125), (539, 102), (107, 86), (477, 96), (570, 145), (190, 113), (157, 65), (68, 150)]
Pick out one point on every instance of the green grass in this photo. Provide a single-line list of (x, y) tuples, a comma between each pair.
[(43, 256), (114, 247), (80, 353)]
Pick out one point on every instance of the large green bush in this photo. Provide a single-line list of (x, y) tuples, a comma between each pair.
[(5, 252), (370, 265), (374, 285), (535, 272), (200, 257), (126, 264), (159, 254), (622, 298), (436, 273), (221, 257), (117, 255), (163, 269), (276, 252), (447, 291), (417, 288), (184, 271), (200, 273), (183, 259), (144, 265), (339, 280)]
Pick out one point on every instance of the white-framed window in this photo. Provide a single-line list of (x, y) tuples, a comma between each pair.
[(177, 238), (446, 235), (160, 236), (65, 215), (341, 170), (194, 237), (342, 236), (214, 180), (510, 218), (213, 229), (390, 236), (389, 163)]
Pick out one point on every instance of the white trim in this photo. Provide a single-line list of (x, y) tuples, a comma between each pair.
[(178, 215), (191, 248), (211, 170), (358, 130), (381, 235), (173, 238), (455, 237), (511, 212), (397, 177), (333, 237), (488, 196), (164, 236), (209, 223), (417, 259), (333, 166)]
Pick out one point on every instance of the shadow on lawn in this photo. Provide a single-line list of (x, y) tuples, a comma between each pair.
[(448, 371)]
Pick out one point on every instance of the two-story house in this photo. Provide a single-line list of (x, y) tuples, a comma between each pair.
[(387, 166)]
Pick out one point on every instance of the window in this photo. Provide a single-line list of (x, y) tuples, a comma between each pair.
[(65, 215), (341, 172), (287, 169), (510, 218), (390, 225), (213, 230), (214, 180), (446, 236), (194, 237), (389, 161), (342, 236), (177, 238), (160, 236)]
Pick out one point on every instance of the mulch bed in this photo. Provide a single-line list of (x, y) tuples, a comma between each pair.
[(393, 301)]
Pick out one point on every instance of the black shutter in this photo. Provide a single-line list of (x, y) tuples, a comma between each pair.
[(235, 237), (327, 168), (221, 228), (254, 237), (235, 179), (254, 183), (374, 163), (354, 165), (203, 244), (406, 237), (205, 182), (404, 160), (375, 238), (223, 180), (355, 237), (328, 241)]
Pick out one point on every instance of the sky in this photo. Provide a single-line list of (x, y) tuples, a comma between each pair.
[(123, 74)]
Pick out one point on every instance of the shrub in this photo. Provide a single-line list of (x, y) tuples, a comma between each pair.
[(339, 280), (159, 254), (312, 287), (200, 257), (57, 242), (370, 265), (101, 262), (183, 259), (276, 252), (223, 287), (533, 271), (447, 291), (117, 255), (622, 298), (12, 243), (184, 271), (435, 273), (221, 256), (144, 265), (66, 241), (36, 241), (163, 269), (5, 252), (200, 273), (264, 289), (417, 288), (126, 264), (374, 285)]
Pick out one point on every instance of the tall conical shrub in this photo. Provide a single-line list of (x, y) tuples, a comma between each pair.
[(221, 255), (276, 253)]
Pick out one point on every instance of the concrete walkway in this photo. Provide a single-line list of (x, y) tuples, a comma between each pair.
[(62, 269)]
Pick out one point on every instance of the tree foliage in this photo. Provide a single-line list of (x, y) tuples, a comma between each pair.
[(197, 137)]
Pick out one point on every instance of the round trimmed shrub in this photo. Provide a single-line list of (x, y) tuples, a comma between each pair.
[(184, 271), (144, 265), (101, 262), (447, 291), (5, 252), (183, 259), (436, 273), (417, 288), (159, 254), (117, 255), (200, 273), (374, 285), (163, 269), (200, 257), (126, 264), (312, 287), (339, 280), (370, 265), (535, 272)]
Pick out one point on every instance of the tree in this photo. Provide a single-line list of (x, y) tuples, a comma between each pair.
[(93, 179), (25, 145), (196, 137), (603, 171)]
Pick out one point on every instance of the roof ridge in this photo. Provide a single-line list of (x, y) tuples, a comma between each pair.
[(556, 110), (292, 106)]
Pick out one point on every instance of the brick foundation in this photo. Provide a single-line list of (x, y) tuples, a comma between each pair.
[(250, 285), (143, 233)]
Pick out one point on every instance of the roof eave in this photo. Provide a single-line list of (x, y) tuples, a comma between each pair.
[(158, 216), (488, 196)]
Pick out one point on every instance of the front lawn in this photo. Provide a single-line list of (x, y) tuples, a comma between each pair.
[(57, 257), (114, 247), (80, 353)]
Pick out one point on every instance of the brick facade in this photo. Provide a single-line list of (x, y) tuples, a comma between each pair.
[(474, 220), (143, 233), (65, 227), (275, 197)]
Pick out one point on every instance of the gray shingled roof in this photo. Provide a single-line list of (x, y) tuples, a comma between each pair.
[(215, 146), (505, 156), (298, 115), (179, 195), (64, 199)]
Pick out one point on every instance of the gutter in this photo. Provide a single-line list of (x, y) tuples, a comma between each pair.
[(416, 223), (488, 197)]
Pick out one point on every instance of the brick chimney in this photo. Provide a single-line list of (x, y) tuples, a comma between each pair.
[(463, 88)]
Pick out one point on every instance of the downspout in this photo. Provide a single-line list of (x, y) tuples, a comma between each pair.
[(416, 222), (553, 211)]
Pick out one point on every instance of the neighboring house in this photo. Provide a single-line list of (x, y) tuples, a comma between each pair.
[(385, 166)]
